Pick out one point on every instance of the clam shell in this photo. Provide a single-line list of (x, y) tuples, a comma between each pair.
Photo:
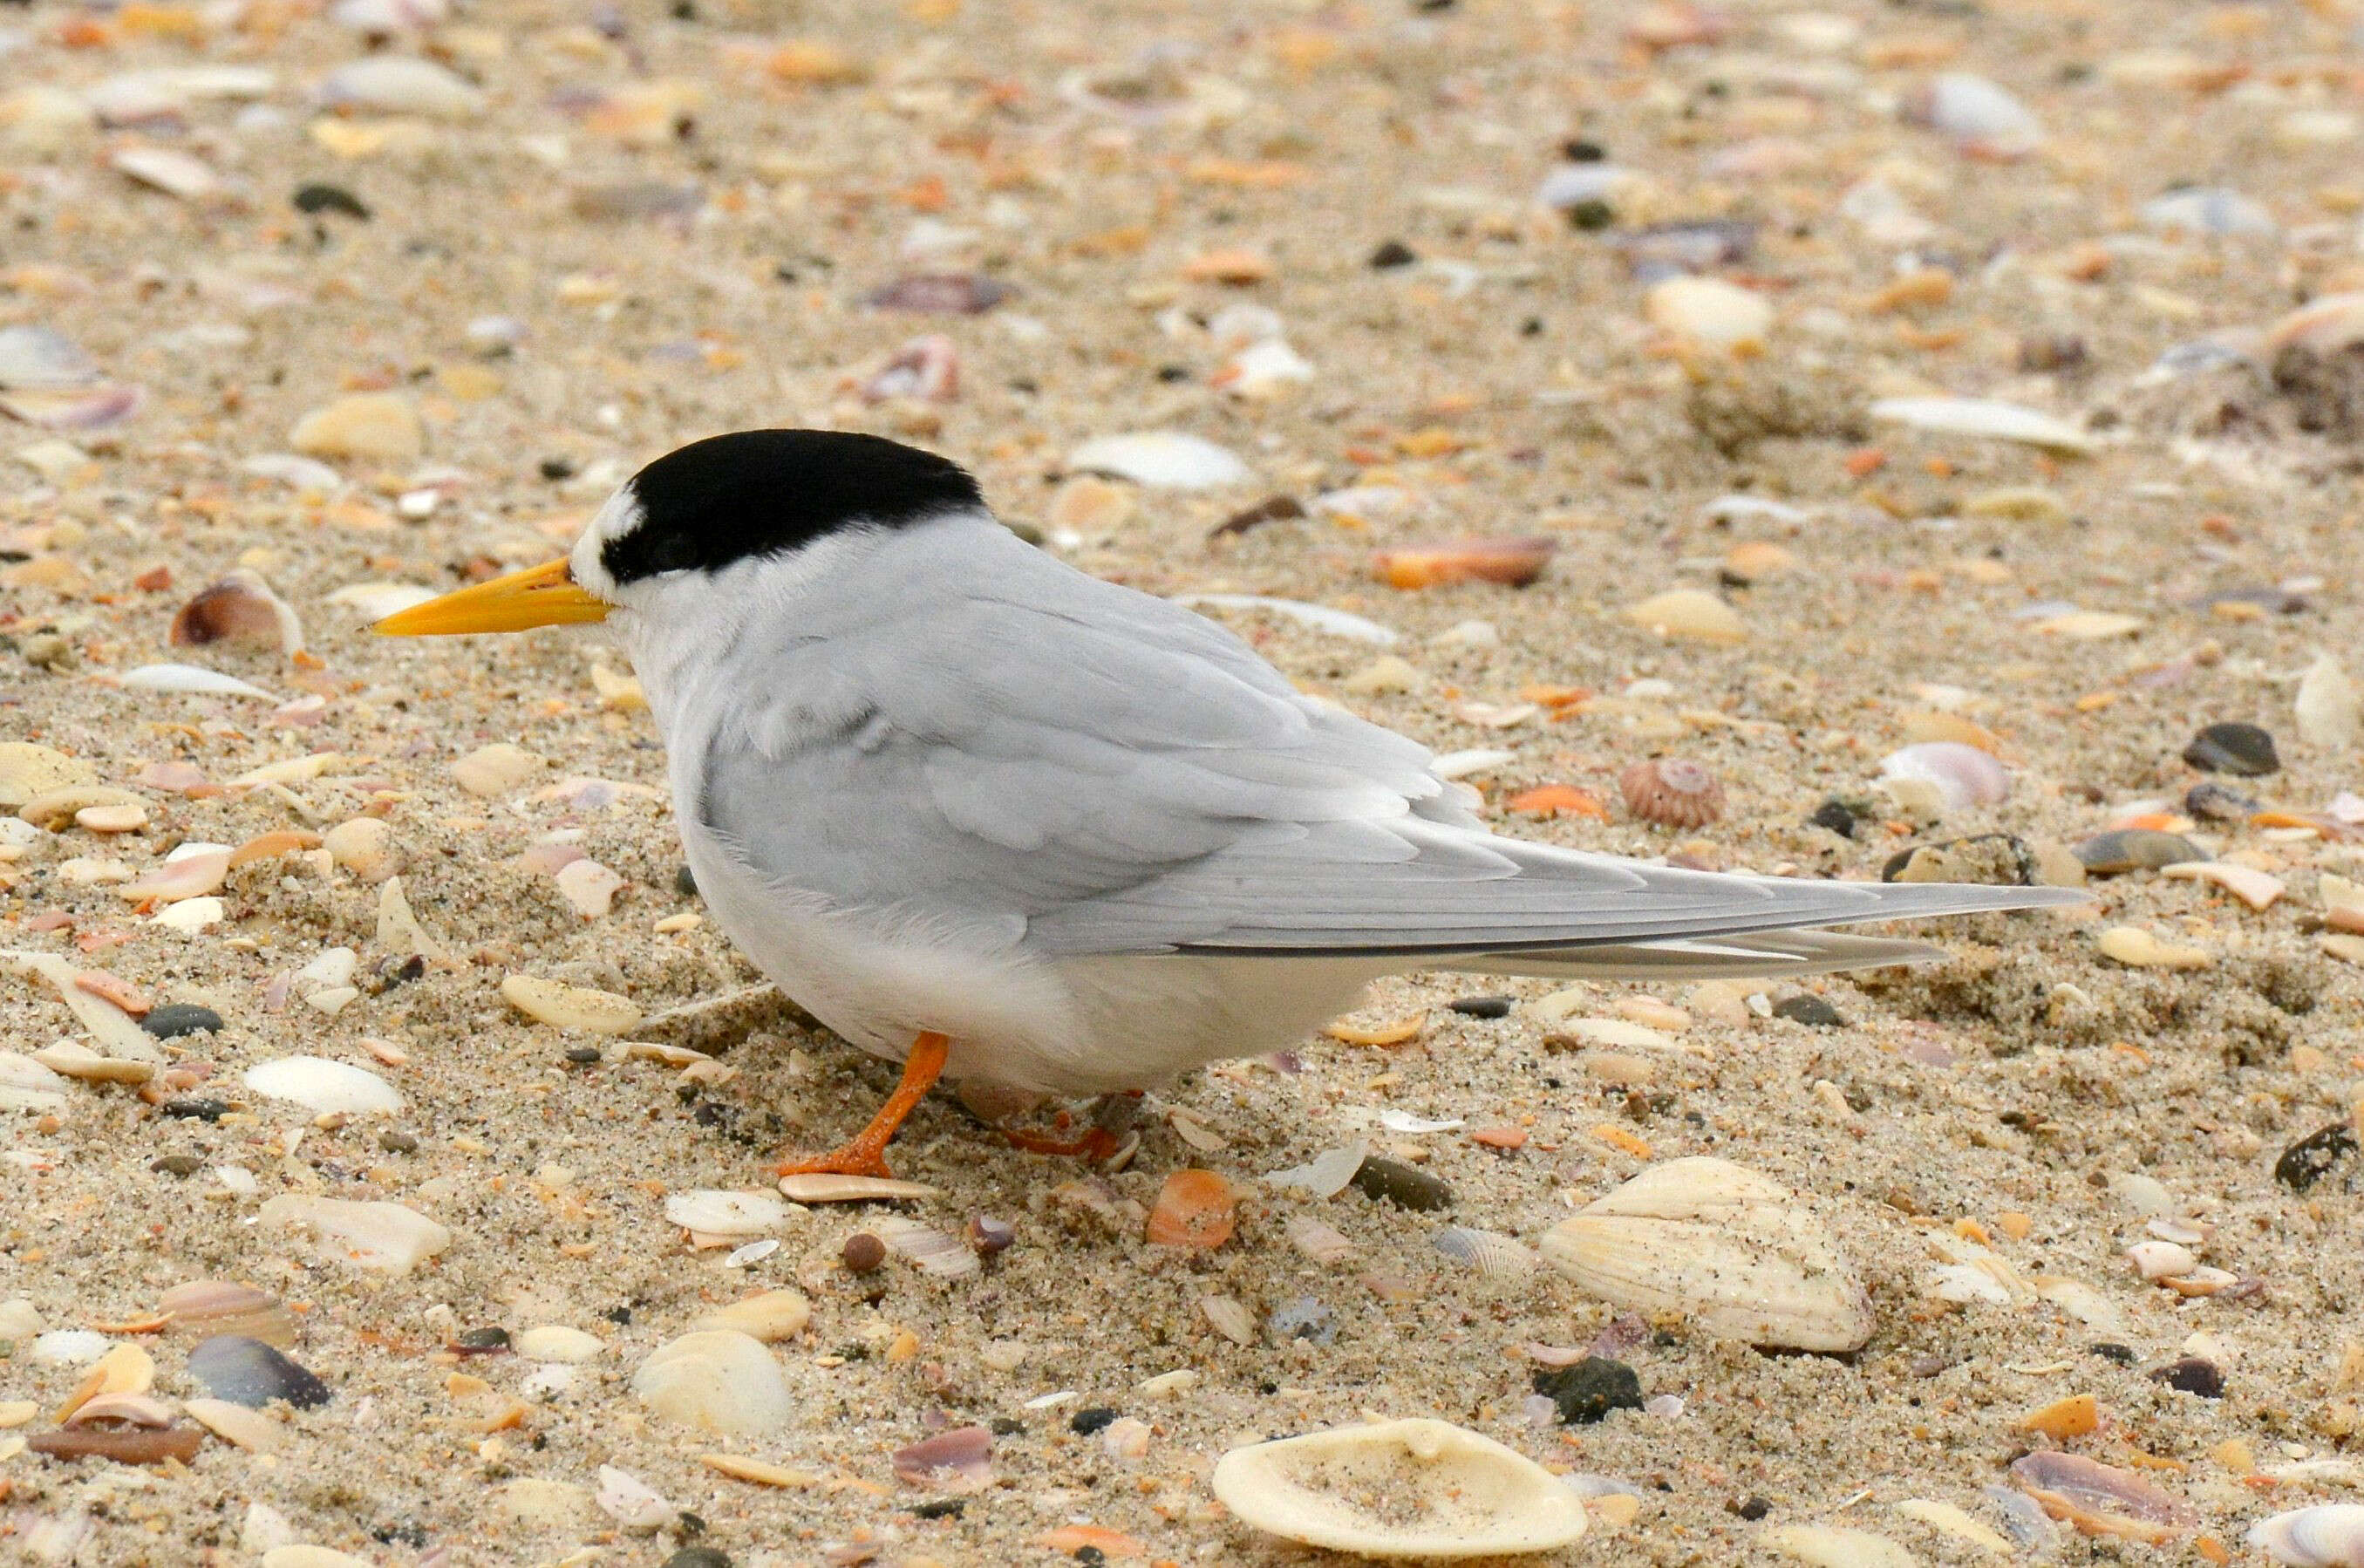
[(933, 1251), (719, 1381), (1732, 1249), (1399, 1489), (1487, 1253), (1825, 1547), (210, 1307), (2330, 1535), (1160, 460)]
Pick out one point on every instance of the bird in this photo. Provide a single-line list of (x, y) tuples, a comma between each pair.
[(997, 820)]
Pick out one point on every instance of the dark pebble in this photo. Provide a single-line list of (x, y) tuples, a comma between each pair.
[(1589, 1390), (1834, 815), (1392, 254), (1091, 1556), (863, 1252), (699, 1557), (196, 1110), (397, 1143), (318, 198), (1305, 1319), (175, 1018), (1592, 215), (2214, 803), (2243, 750), (2135, 849), (1481, 1006), (1582, 151), (1275, 508), (1005, 1426), (481, 1342), (248, 1371), (1752, 1508), (2111, 1350), (988, 1237), (1084, 1423), (1401, 1185), (1810, 1010), (2303, 1163), (684, 882), (179, 1165), (2192, 1375), (940, 1508), (556, 468), (583, 1056)]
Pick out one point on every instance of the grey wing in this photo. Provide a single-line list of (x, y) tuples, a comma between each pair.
[(1076, 766)]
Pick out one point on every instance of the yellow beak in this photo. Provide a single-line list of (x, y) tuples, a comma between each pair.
[(539, 595)]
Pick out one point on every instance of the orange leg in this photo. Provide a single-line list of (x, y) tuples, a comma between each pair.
[(1098, 1142), (865, 1153)]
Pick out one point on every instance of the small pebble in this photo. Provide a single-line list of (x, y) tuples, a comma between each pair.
[(1810, 1010), (2245, 751), (2305, 1162), (2192, 1375), (1587, 1392), (1482, 1006), (2135, 849), (171, 1020), (1401, 1185), (863, 1252)]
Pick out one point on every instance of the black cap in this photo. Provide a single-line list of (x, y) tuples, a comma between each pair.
[(768, 492)]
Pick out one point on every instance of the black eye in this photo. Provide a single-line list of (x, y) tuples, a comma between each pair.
[(670, 551)]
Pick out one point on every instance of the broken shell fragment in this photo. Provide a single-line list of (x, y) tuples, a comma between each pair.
[(223, 1306), (2099, 1499), (1733, 1250), (1399, 1489), (565, 1006), (1672, 792), (1691, 614), (384, 1237), (717, 1379), (240, 610), (1514, 563), (1964, 774)]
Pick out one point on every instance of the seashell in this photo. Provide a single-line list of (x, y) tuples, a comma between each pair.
[(375, 601), (1262, 370), (2064, 1419), (116, 1034), (2245, 751), (52, 810), (588, 888), (1719, 1243), (379, 427), (402, 85), (240, 609), (1825, 1546), (569, 1006), (713, 1212), (2160, 1259), (2325, 325), (40, 358), (123, 1445), (2256, 889), (1515, 563), (1399, 1489), (364, 846), (383, 1236), (249, 1372), (492, 772), (1195, 1211), (926, 368), (2208, 213), (942, 293), (27, 770), (73, 1059), (719, 1381), (1321, 616), (1572, 186), (1708, 311), (2328, 1535), (556, 1342), (1954, 1522), (2099, 1499), (2138, 949), (1453, 765), (832, 1189), (70, 1347), (772, 1316), (1160, 460), (1755, 560), (176, 173), (190, 917), (27, 1085), (194, 679), (222, 1306), (111, 819), (632, 1502), (2329, 706), (1488, 1254), (1979, 116), (2135, 849), (1965, 776), (1688, 614), (1231, 1319), (1672, 792), (234, 1424), (933, 1251), (961, 1457), (323, 1087), (1985, 417), (1322, 1242)]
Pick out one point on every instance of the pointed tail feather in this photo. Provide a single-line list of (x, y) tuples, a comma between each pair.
[(1777, 955)]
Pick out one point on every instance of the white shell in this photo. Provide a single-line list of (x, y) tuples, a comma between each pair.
[(2330, 1535), (936, 1252), (190, 677), (1983, 417), (1160, 459), (1399, 1489), (1721, 1244), (398, 84), (1326, 1174), (715, 1213), (1963, 774), (323, 1086), (1977, 113), (772, 1316), (632, 1502), (718, 1380), (380, 1235), (569, 1006), (824, 1187), (1824, 1547), (2330, 706)]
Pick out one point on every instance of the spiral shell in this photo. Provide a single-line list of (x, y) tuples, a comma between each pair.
[(1672, 792)]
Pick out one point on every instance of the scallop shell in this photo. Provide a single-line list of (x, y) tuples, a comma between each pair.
[(1487, 1253), (1399, 1489), (1723, 1245), (2330, 1535), (1672, 792)]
